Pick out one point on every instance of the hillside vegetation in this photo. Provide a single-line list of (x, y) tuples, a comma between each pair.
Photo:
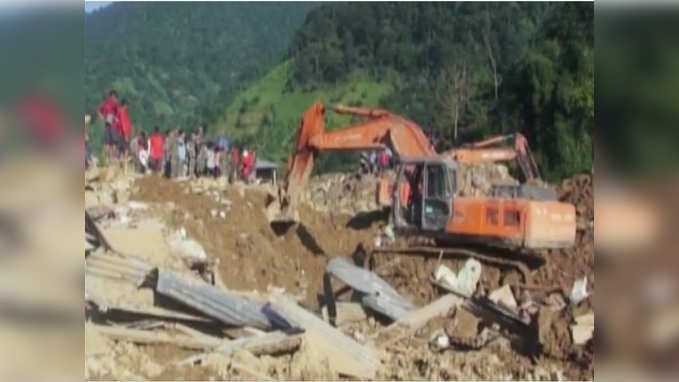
[(179, 63), (463, 71)]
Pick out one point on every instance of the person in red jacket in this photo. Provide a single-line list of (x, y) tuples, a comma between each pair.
[(108, 111), (156, 143), (124, 130), (248, 162)]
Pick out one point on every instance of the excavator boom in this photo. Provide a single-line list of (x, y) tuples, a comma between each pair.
[(379, 128)]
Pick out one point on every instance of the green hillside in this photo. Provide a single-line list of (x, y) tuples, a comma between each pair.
[(179, 63), (266, 115), (463, 71)]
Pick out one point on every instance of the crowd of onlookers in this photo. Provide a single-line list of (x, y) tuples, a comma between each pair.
[(376, 161), (174, 153)]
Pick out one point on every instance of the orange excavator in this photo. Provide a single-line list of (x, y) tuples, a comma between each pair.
[(424, 195)]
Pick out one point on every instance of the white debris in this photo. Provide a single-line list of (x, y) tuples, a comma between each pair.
[(463, 283), (213, 213), (185, 247), (504, 296), (137, 205), (222, 214), (439, 340), (583, 330), (579, 291)]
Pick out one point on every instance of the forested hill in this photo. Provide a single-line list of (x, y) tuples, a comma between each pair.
[(472, 68), (179, 63)]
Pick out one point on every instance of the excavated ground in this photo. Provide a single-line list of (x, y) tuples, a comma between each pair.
[(252, 256)]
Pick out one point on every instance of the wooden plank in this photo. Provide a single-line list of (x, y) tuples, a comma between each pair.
[(269, 343), (151, 337), (345, 356), (415, 320)]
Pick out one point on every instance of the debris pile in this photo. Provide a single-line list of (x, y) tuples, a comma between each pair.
[(343, 193), (181, 292), (478, 179)]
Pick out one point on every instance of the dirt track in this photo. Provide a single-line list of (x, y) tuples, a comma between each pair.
[(254, 257)]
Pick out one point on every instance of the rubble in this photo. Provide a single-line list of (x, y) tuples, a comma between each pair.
[(436, 335), (504, 296), (463, 283), (583, 329), (579, 291)]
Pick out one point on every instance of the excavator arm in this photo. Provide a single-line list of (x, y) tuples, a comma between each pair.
[(379, 129), (484, 151)]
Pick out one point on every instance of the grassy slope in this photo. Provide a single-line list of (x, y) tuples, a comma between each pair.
[(268, 106)]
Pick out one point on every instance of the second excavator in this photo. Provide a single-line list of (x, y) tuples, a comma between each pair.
[(424, 195)]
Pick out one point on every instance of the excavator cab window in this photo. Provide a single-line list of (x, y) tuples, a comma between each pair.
[(437, 196)]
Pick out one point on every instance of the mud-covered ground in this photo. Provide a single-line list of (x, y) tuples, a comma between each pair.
[(230, 223)]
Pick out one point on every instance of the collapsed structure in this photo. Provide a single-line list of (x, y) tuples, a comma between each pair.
[(187, 279)]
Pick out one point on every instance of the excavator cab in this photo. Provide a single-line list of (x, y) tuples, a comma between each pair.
[(422, 194)]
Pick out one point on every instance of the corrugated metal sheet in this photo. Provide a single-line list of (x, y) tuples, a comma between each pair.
[(117, 267), (219, 304), (380, 296)]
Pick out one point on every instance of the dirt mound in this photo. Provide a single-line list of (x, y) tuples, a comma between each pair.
[(338, 212), (231, 225)]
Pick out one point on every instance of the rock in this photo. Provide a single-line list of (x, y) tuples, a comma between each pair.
[(463, 283), (579, 291), (504, 296), (187, 248), (583, 329)]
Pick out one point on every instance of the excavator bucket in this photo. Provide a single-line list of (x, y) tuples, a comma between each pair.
[(283, 209)]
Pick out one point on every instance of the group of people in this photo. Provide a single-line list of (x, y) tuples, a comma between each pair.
[(175, 153), (118, 127), (375, 162)]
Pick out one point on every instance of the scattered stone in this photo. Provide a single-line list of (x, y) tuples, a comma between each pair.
[(504, 296), (583, 329), (579, 291)]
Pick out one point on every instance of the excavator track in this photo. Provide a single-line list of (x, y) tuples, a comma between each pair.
[(457, 252)]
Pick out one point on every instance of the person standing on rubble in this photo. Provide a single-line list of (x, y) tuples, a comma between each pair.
[(210, 159), (156, 145), (170, 152), (179, 164), (248, 166), (124, 130), (108, 111), (235, 164), (201, 158), (191, 154)]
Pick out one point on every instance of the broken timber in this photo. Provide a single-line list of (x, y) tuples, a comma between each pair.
[(415, 320), (151, 337), (345, 356), (228, 308)]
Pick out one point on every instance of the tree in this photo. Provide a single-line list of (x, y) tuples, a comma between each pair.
[(454, 92)]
